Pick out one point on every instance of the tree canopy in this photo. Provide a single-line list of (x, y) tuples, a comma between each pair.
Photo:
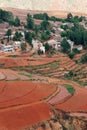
[(28, 38), (6, 15), (65, 46), (30, 22), (17, 21)]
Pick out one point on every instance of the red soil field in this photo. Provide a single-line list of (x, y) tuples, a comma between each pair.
[(2, 86), (2, 76), (15, 90), (21, 105), (17, 118), (82, 107), (9, 62), (24, 92)]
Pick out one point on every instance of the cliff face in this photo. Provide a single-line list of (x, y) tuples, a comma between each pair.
[(47, 5)]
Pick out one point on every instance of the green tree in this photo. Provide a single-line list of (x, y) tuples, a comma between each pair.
[(69, 15), (85, 38), (45, 36), (11, 22), (17, 21), (28, 38), (17, 36), (46, 17), (84, 59), (23, 46), (36, 29), (71, 55), (30, 22), (45, 25), (65, 46), (40, 52), (8, 33), (6, 15), (41, 16), (47, 47), (77, 34)]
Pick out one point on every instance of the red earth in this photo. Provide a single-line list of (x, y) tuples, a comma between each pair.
[(16, 118), (23, 92), (10, 62), (18, 99)]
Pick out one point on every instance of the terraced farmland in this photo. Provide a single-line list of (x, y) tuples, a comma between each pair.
[(26, 88)]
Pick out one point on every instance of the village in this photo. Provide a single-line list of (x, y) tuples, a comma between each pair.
[(10, 42)]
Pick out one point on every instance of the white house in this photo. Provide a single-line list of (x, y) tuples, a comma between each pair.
[(54, 44), (36, 44), (71, 43), (79, 47), (42, 48), (8, 48), (17, 44)]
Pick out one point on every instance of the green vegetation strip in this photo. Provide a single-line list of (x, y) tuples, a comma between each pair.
[(12, 56), (82, 83), (54, 66), (28, 75), (70, 89)]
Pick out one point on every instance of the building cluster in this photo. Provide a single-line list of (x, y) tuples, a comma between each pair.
[(54, 42), (10, 47)]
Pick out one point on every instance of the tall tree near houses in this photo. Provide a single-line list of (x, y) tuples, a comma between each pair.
[(23, 46), (28, 38), (9, 32), (17, 21), (30, 22)]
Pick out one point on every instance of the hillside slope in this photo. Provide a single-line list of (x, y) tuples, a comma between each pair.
[(49, 5)]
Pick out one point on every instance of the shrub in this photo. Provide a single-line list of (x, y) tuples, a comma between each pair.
[(76, 51), (71, 55), (47, 47), (40, 52), (65, 45), (70, 74), (23, 46), (65, 27), (70, 89), (84, 59)]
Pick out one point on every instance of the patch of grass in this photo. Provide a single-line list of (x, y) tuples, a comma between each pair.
[(28, 75), (82, 83), (70, 89), (54, 66), (2, 65), (12, 56)]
